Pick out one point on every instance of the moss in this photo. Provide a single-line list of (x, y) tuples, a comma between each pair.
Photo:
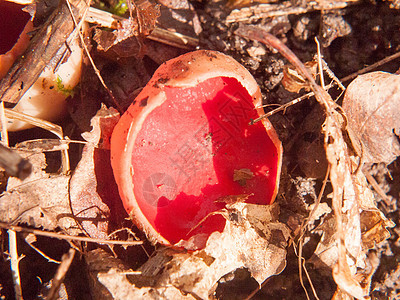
[(67, 91), (120, 8)]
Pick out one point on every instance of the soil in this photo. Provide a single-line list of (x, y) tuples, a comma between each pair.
[(352, 38)]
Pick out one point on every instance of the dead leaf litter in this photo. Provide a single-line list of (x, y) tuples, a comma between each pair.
[(332, 238)]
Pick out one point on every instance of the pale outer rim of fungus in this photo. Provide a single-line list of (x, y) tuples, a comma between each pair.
[(187, 70)]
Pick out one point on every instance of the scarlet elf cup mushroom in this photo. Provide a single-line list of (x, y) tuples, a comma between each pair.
[(185, 147)]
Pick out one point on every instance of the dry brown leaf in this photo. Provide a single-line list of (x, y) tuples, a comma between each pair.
[(109, 280), (102, 126), (342, 246), (141, 23), (373, 230), (349, 188), (372, 106), (44, 200), (92, 189), (373, 223), (40, 200), (147, 14), (128, 31), (242, 175), (321, 210), (350, 195), (252, 239), (121, 288), (293, 81), (326, 252), (179, 15)]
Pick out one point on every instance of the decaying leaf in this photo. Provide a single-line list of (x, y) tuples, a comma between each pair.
[(372, 103), (293, 81), (252, 239), (147, 14), (179, 14), (106, 40), (111, 279), (141, 23), (102, 126), (45, 200), (242, 175), (350, 196), (373, 230), (349, 186), (90, 201), (40, 200)]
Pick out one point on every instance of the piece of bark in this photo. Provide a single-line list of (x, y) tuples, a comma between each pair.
[(47, 42), (272, 10), (13, 163)]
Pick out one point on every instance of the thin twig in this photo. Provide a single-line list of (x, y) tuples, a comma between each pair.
[(53, 128), (320, 66), (309, 278), (132, 234), (3, 120), (14, 262), (12, 235), (372, 67), (60, 274), (376, 186), (68, 237), (44, 255), (46, 145), (282, 107), (255, 291), (300, 265)]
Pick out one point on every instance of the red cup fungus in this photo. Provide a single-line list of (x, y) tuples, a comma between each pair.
[(46, 97), (184, 148), (15, 24)]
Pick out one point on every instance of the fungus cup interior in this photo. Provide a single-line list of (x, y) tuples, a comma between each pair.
[(196, 152), (14, 26)]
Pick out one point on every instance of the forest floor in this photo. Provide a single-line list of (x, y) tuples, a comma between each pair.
[(352, 37)]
